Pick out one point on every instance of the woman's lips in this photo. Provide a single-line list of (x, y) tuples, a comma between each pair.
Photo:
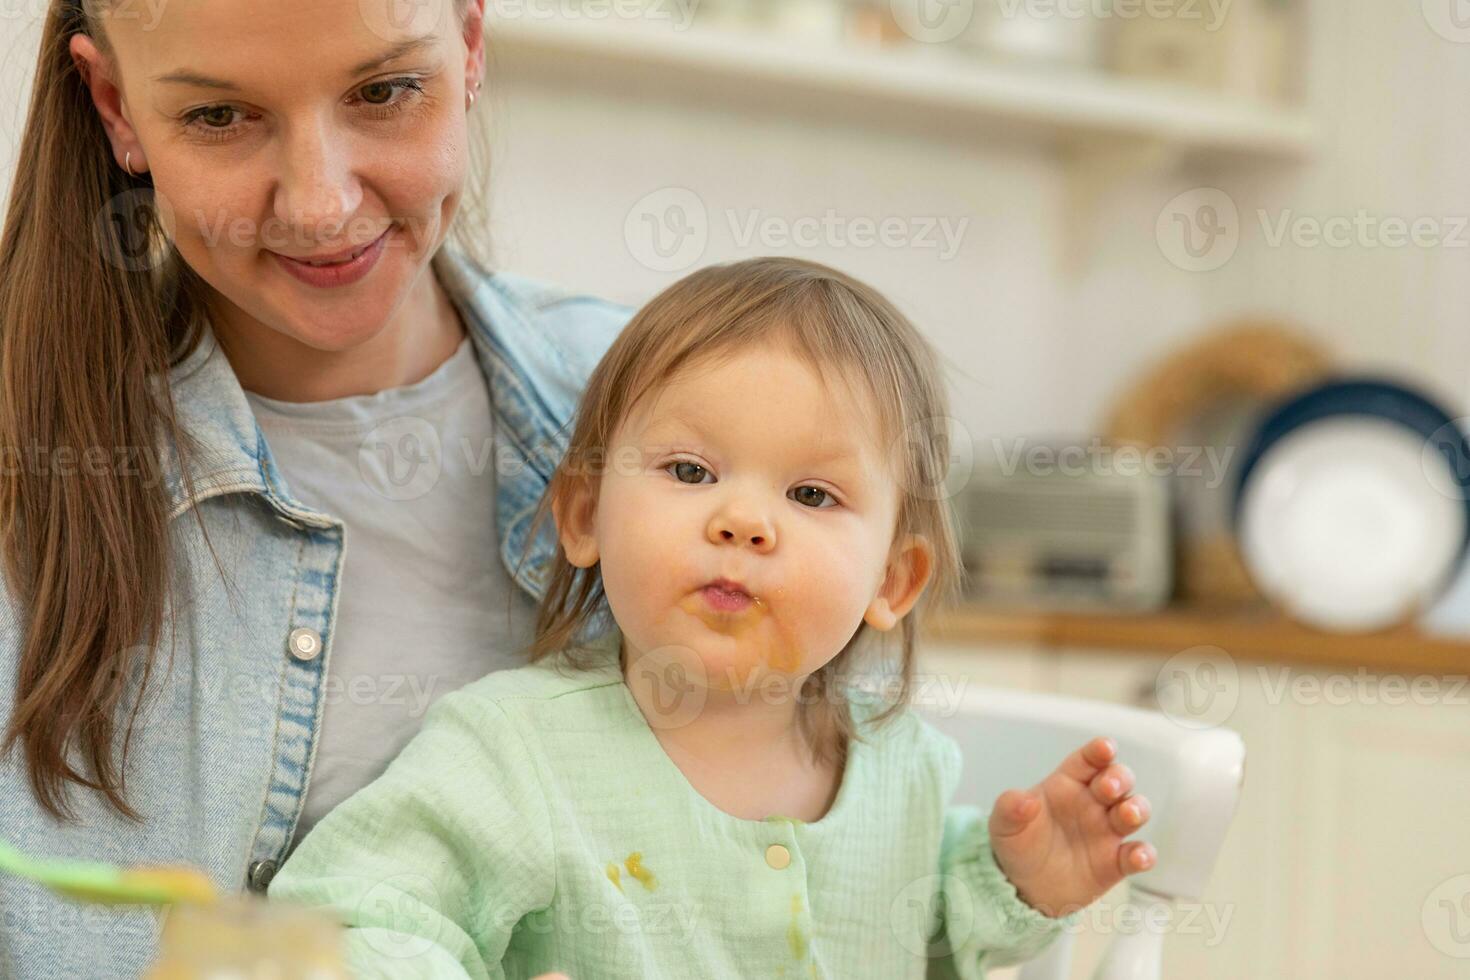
[(341, 274)]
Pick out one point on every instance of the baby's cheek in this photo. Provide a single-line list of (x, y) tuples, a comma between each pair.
[(628, 555), (833, 590)]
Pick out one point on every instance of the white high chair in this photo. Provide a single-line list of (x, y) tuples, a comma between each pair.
[(1192, 778)]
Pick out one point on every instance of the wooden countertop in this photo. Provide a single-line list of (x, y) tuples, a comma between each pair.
[(1253, 633)]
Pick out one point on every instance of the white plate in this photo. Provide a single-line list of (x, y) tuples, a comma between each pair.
[(1342, 524)]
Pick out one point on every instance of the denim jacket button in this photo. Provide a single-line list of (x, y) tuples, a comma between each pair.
[(260, 875), (304, 644)]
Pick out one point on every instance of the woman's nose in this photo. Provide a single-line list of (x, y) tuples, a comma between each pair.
[(318, 190)]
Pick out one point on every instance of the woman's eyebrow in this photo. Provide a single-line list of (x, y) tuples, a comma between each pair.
[(399, 50)]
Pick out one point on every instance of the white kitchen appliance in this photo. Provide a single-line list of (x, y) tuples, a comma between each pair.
[(1061, 526)]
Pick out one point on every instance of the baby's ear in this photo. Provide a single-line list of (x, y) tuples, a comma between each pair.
[(574, 506), (909, 570)]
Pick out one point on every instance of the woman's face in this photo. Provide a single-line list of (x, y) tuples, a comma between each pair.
[(749, 469), (283, 128)]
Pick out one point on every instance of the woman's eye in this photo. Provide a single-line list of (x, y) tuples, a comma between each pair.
[(215, 122), (683, 468), (211, 116), (393, 86), (816, 493)]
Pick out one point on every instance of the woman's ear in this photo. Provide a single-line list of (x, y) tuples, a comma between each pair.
[(474, 40), (574, 506), (94, 69), (908, 572)]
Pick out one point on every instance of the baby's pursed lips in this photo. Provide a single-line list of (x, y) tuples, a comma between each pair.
[(728, 585)]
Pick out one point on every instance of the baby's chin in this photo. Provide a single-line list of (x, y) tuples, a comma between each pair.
[(755, 662), (755, 650), (744, 672)]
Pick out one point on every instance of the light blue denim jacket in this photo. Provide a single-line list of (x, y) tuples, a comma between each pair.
[(222, 749)]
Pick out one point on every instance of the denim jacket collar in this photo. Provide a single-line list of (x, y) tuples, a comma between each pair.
[(232, 455)]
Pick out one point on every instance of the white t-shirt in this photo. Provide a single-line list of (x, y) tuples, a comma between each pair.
[(425, 604)]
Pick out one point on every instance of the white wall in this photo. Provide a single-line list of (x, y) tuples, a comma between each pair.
[(570, 166), (1389, 93)]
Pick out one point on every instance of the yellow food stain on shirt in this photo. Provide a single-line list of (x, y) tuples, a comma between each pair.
[(614, 875), (635, 867), (794, 933)]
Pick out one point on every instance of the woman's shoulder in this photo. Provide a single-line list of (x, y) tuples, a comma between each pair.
[(551, 334), (574, 321), (557, 302)]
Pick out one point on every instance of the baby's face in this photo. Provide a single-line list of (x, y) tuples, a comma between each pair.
[(747, 470)]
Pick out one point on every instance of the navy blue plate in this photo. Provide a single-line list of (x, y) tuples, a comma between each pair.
[(1371, 397)]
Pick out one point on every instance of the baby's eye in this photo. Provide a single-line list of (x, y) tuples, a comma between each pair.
[(679, 474), (812, 497), (824, 495)]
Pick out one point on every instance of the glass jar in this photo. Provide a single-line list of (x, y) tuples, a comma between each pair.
[(245, 937)]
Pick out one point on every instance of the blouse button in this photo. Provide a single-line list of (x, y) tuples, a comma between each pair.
[(777, 856), (304, 644)]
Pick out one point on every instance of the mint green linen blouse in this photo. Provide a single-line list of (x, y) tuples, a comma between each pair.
[(535, 824)]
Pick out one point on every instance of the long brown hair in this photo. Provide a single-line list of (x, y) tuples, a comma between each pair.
[(96, 305), (829, 320)]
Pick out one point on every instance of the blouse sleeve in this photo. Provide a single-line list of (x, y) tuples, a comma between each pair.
[(431, 865), (984, 922)]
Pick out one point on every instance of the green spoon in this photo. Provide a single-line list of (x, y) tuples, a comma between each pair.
[(93, 881)]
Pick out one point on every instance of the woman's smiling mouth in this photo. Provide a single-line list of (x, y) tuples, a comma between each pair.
[(325, 274)]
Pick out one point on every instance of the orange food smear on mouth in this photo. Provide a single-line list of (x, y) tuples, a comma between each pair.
[(780, 653)]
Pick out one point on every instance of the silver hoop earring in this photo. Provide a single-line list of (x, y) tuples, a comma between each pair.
[(128, 163)]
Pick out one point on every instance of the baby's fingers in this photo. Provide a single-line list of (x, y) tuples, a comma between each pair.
[(1083, 764), (1013, 812), (1129, 815), (1136, 856), (1112, 784)]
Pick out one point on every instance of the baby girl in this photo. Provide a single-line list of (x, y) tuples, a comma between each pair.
[(691, 778)]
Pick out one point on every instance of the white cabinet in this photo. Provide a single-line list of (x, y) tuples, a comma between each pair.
[(1349, 855)]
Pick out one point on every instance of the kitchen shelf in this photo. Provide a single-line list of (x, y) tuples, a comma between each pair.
[(924, 84), (1256, 633)]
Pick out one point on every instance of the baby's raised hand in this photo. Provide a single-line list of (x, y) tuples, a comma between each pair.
[(1061, 842)]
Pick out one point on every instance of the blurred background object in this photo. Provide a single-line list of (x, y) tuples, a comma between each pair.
[(1204, 399), (1351, 503), (1244, 48), (1066, 524), (1034, 33), (244, 937)]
